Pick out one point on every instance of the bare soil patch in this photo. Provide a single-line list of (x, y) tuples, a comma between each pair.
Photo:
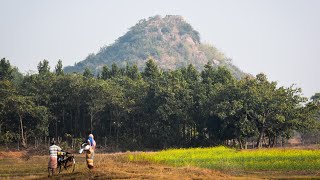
[(11, 154)]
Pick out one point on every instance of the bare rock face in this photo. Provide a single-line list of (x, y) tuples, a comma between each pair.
[(170, 41)]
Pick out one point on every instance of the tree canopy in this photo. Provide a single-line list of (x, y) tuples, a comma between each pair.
[(152, 109)]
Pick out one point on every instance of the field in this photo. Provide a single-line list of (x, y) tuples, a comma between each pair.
[(196, 163), (107, 166), (275, 162), (222, 158)]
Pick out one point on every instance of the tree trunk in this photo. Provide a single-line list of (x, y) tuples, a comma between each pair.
[(77, 120), (259, 140), (56, 128), (273, 141), (183, 131), (71, 122), (91, 119), (117, 140), (139, 134), (105, 141), (63, 122), (110, 124), (240, 143), (23, 139), (269, 141)]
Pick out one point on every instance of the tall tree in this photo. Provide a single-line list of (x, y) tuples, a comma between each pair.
[(87, 73), (25, 109), (5, 70), (316, 98), (43, 67), (58, 68), (133, 72), (106, 74), (115, 70), (151, 71)]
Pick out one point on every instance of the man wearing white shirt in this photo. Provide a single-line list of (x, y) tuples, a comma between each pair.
[(53, 161)]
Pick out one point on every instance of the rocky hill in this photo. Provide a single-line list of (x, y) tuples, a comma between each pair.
[(170, 41)]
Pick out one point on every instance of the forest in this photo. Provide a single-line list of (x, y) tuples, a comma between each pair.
[(153, 109)]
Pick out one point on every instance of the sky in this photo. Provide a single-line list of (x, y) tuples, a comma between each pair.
[(278, 38)]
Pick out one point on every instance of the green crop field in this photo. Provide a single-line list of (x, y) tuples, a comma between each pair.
[(222, 158)]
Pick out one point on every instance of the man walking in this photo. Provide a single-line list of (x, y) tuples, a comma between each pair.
[(53, 161)]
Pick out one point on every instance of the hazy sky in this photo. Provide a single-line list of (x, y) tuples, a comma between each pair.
[(278, 38)]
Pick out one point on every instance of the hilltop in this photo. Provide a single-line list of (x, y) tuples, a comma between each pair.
[(170, 41)]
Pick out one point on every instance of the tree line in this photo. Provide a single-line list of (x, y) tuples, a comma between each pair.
[(153, 109)]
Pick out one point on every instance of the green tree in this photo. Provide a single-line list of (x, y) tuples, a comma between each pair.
[(151, 71), (58, 68), (316, 98), (310, 116), (115, 70), (5, 70), (43, 67), (87, 73), (25, 109), (6, 138), (133, 72), (96, 92), (106, 74)]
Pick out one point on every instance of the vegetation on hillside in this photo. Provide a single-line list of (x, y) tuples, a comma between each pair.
[(153, 109), (170, 41)]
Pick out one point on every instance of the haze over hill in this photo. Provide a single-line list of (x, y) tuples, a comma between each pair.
[(170, 41)]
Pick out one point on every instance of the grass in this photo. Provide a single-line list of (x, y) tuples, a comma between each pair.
[(222, 158)]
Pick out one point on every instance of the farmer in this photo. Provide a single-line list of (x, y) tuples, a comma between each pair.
[(90, 152), (53, 162)]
